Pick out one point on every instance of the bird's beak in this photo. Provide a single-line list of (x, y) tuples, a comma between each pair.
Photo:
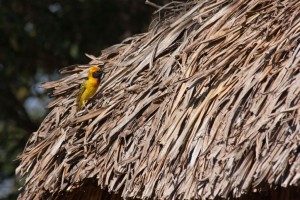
[(102, 64)]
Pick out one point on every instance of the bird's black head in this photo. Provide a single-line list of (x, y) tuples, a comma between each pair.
[(98, 74)]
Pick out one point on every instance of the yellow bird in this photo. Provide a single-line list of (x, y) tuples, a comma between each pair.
[(89, 87)]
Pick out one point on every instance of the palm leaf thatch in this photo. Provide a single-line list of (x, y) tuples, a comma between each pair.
[(205, 104)]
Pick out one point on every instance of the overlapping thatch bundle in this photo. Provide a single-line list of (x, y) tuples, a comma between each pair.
[(205, 104)]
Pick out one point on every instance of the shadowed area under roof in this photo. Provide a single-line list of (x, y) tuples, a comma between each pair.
[(206, 104)]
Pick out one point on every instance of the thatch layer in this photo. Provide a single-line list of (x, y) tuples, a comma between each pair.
[(205, 104)]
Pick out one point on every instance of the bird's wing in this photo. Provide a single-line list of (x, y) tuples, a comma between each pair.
[(81, 90)]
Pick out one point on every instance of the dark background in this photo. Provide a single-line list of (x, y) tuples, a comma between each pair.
[(36, 39)]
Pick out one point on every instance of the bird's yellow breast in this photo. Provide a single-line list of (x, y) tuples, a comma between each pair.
[(90, 88)]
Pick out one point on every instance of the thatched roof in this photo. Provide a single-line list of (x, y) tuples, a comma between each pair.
[(205, 104)]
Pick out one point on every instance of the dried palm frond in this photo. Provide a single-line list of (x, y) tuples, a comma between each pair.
[(205, 104)]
